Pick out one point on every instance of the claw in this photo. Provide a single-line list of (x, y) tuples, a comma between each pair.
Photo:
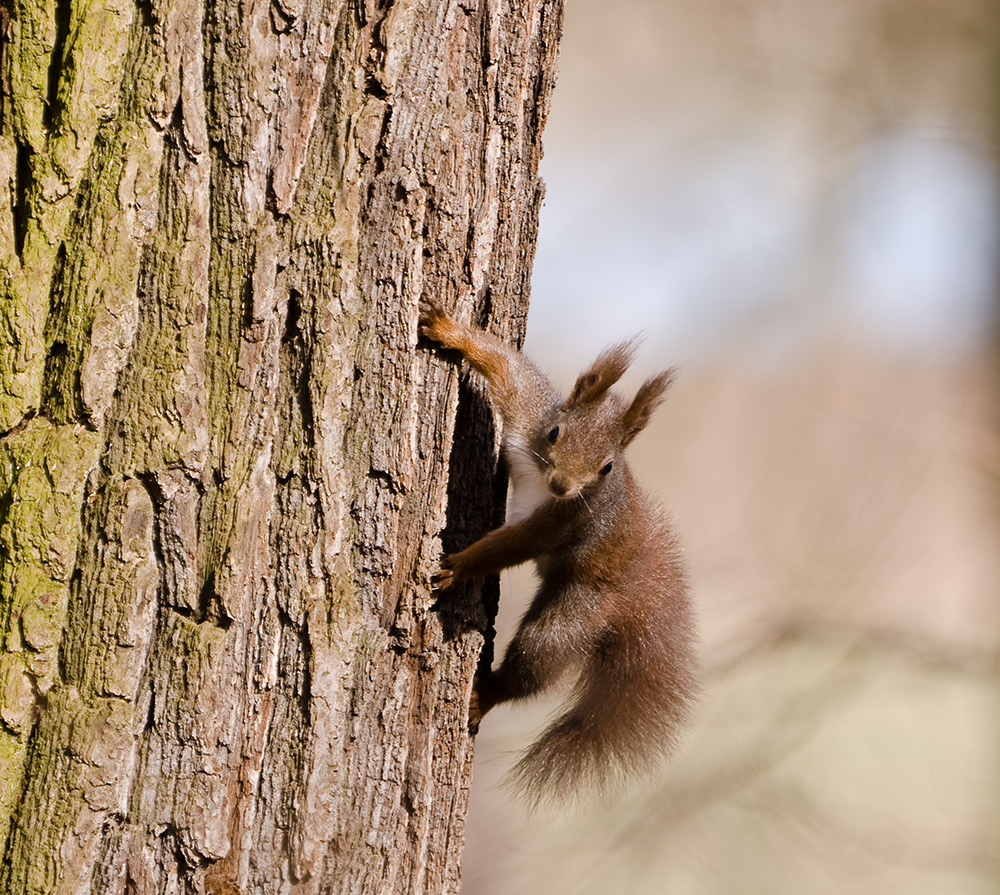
[(443, 580)]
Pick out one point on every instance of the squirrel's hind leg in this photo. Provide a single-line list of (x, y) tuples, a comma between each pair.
[(553, 638)]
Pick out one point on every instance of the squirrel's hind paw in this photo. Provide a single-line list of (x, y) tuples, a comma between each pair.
[(485, 695), (475, 715)]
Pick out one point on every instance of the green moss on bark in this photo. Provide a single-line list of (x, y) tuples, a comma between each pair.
[(41, 489), (66, 83)]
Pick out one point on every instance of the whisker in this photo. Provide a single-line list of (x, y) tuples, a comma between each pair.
[(527, 449), (541, 459)]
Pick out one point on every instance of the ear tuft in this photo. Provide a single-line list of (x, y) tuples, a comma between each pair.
[(603, 373), (651, 395)]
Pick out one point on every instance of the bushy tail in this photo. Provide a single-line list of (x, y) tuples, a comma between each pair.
[(627, 710)]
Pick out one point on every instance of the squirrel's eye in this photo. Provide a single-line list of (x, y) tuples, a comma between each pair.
[(553, 435), (606, 468)]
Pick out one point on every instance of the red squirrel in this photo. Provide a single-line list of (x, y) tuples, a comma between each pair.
[(612, 606)]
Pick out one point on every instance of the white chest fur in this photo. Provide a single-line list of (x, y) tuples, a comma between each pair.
[(528, 486)]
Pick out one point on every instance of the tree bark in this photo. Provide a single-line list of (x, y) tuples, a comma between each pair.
[(227, 466)]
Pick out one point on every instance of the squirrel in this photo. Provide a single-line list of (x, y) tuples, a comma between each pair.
[(612, 605)]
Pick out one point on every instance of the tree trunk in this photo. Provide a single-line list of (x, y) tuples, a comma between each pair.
[(226, 463)]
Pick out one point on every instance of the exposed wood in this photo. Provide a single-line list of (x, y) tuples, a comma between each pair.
[(224, 473)]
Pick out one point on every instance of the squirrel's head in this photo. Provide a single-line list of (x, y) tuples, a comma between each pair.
[(584, 438)]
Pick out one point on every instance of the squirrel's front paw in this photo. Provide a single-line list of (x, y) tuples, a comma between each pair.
[(431, 314), (445, 576)]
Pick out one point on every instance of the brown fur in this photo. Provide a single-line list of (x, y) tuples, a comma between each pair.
[(603, 373), (612, 606)]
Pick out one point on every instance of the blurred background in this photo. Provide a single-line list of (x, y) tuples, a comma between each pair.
[(799, 201)]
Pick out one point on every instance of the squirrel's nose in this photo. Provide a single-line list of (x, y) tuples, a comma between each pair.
[(558, 485)]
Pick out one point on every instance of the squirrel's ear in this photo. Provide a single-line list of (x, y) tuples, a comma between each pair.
[(650, 396), (603, 373)]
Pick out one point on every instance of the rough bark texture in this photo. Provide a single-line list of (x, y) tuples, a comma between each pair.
[(224, 466)]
